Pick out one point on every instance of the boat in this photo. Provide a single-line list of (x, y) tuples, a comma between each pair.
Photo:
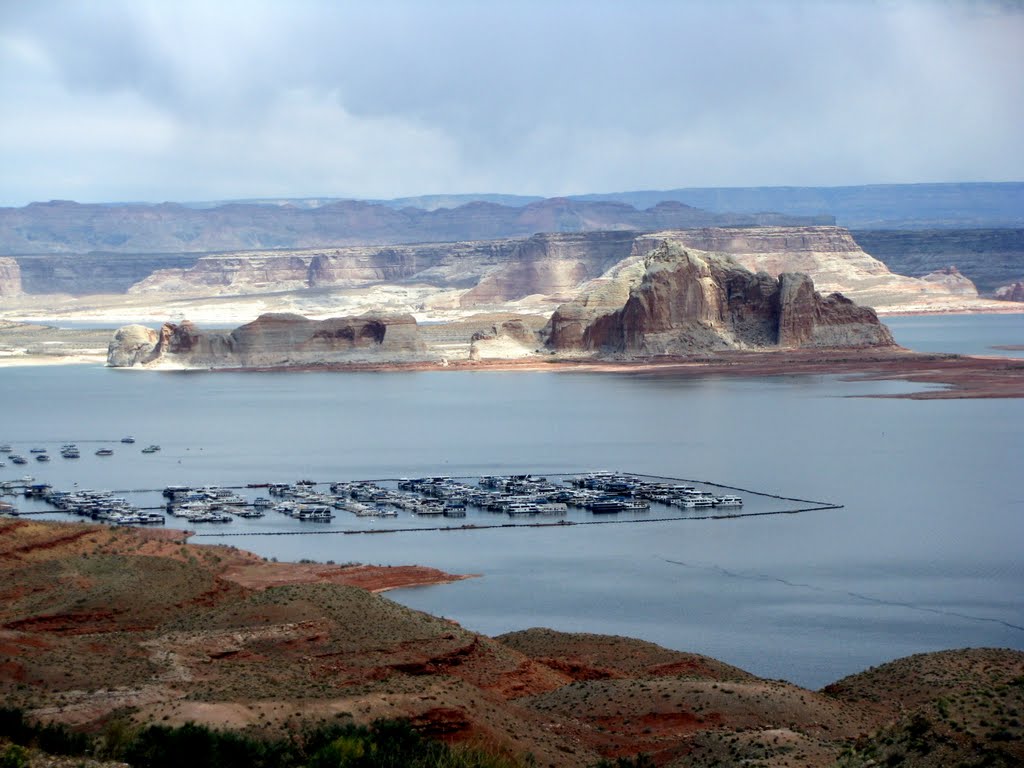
[(6, 448), (105, 452), (16, 459), (151, 449), (729, 501), (37, 450), (607, 505), (42, 457), (70, 453), (692, 502), (128, 439)]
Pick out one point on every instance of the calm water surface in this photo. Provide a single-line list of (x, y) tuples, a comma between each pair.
[(925, 554), (960, 334)]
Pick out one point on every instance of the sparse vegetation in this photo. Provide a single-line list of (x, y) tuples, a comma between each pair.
[(384, 744)]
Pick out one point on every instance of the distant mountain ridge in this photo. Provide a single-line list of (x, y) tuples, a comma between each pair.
[(68, 227), (875, 206), (964, 205)]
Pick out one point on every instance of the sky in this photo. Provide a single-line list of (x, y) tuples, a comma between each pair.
[(145, 100)]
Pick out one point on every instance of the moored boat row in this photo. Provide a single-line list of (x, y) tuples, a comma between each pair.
[(516, 496)]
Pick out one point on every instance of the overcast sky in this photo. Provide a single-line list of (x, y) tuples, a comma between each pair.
[(177, 100)]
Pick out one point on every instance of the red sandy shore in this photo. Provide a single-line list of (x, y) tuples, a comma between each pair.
[(964, 377), (250, 570)]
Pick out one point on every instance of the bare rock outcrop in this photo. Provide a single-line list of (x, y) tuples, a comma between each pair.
[(505, 340), (132, 345), (1011, 292), (689, 302), (272, 340), (10, 277), (953, 281)]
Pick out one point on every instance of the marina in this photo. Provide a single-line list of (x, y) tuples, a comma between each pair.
[(409, 504)]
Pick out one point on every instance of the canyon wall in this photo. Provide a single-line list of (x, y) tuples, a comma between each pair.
[(990, 258), (538, 272), (83, 274), (494, 271)]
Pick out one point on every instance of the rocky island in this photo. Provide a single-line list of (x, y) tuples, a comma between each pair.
[(270, 341), (690, 302)]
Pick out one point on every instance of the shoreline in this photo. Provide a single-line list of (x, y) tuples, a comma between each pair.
[(239, 566), (965, 376)]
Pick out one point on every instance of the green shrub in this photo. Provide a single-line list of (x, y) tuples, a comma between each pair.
[(13, 756)]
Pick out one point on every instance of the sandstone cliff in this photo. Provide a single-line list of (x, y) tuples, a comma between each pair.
[(493, 271), (540, 271), (10, 277), (690, 302), (272, 340), (553, 266), (829, 255), (444, 264)]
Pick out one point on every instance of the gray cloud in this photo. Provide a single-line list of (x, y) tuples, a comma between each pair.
[(156, 100)]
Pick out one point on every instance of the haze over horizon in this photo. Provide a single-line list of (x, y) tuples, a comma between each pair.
[(154, 101)]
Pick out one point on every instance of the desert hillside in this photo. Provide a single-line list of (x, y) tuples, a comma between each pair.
[(97, 623)]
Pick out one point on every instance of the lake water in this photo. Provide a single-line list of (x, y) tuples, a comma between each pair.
[(925, 553), (961, 334)]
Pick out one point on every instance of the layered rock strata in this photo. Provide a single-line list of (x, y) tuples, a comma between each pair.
[(494, 271), (272, 340), (688, 302), (556, 267)]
